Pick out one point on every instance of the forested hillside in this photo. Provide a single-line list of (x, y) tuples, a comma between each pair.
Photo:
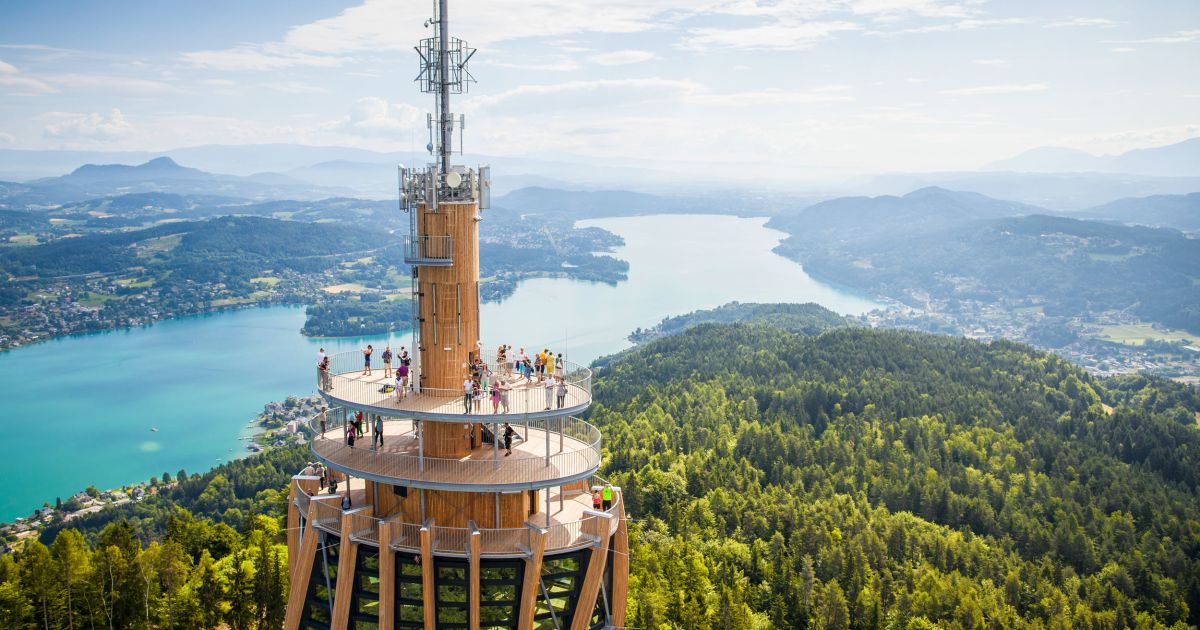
[(809, 319), (872, 479), (856, 479)]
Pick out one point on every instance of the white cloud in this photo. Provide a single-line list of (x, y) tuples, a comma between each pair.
[(965, 25), (93, 126), (1178, 37), (622, 57), (111, 84), (1120, 141), (1005, 88), (998, 63), (372, 116), (1082, 22), (19, 84), (923, 8), (7, 138), (1123, 49), (560, 66), (777, 36), (386, 26)]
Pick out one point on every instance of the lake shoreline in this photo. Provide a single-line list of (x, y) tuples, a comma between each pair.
[(198, 377)]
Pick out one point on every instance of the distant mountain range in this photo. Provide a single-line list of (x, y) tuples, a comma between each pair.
[(1055, 178), (1181, 159), (160, 174), (1056, 191)]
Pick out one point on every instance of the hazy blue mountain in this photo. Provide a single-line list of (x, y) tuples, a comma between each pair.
[(160, 174), (1181, 159), (1177, 211), (1049, 160), (866, 219), (162, 168), (1058, 191)]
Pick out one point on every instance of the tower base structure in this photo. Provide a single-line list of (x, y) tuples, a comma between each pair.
[(563, 569)]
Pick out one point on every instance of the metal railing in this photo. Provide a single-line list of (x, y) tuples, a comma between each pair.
[(329, 516), (454, 541), (364, 528), (346, 382), (552, 449), (425, 248)]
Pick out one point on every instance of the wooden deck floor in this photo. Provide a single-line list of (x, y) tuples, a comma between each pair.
[(398, 457), (524, 398)]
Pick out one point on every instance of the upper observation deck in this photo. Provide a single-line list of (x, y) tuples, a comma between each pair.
[(347, 385), (544, 453)]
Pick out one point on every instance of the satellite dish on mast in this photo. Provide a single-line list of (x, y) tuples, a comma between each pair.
[(453, 179)]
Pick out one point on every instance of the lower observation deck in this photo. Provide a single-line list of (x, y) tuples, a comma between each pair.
[(521, 398), (553, 451), (565, 526)]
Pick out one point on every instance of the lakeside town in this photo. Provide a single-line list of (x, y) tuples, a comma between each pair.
[(1107, 344), (279, 424)]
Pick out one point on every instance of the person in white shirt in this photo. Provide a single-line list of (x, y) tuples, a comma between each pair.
[(468, 389), (549, 393)]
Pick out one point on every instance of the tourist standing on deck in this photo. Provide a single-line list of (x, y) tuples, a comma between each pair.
[(504, 395), (559, 365), (323, 370), (367, 360), (387, 361), (321, 416), (495, 398), (401, 380), (378, 432), (539, 365), (606, 495), (508, 436), (477, 395), (549, 393), (468, 389), (561, 391), (549, 364)]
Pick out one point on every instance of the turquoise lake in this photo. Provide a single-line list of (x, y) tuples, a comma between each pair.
[(80, 409)]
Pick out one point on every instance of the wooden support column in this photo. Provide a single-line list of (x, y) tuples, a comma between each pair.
[(473, 577), (293, 521), (347, 557), (301, 571), (387, 577), (427, 593), (530, 587), (620, 569), (595, 524)]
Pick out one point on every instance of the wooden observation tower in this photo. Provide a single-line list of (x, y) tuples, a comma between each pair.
[(433, 523)]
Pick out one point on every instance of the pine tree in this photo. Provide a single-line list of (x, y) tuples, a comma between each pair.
[(74, 568), (38, 580)]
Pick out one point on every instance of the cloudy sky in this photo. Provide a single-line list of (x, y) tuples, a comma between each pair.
[(822, 85)]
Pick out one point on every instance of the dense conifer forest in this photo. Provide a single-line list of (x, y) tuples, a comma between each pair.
[(854, 479)]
